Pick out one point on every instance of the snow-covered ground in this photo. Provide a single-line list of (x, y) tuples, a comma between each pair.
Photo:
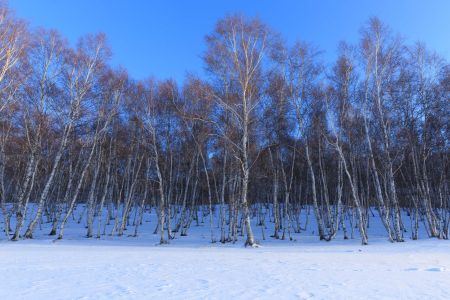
[(193, 268)]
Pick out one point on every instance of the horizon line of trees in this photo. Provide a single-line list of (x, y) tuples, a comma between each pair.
[(270, 131)]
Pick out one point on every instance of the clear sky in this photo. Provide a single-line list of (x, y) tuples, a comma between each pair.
[(165, 38)]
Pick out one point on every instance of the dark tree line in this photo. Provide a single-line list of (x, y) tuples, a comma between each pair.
[(270, 132)]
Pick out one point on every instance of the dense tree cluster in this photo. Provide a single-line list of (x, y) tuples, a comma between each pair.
[(270, 131)]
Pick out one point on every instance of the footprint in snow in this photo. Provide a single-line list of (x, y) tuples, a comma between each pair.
[(436, 269)]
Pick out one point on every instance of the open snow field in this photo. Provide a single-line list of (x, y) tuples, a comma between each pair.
[(193, 268)]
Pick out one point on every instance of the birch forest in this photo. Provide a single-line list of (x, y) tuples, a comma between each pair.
[(269, 133)]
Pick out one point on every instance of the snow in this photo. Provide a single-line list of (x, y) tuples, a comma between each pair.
[(193, 268)]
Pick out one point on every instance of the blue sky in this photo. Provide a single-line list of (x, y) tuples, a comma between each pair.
[(166, 38)]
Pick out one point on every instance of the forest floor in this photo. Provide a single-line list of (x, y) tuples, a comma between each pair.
[(193, 268)]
